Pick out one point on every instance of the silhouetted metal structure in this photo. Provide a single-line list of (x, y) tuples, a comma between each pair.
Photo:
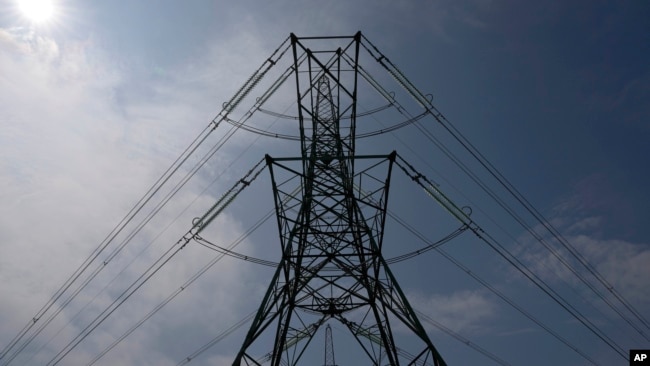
[(331, 210), (329, 347)]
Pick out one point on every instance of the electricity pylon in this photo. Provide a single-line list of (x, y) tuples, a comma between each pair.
[(331, 209), (329, 347)]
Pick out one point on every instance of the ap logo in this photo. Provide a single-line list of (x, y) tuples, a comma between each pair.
[(639, 357)]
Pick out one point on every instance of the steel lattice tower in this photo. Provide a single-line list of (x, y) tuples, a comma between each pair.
[(329, 347), (331, 209)]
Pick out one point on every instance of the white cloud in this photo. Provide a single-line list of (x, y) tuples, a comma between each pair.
[(74, 160), (465, 311), (623, 264)]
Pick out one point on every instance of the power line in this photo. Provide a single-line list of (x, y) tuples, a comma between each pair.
[(198, 226), (462, 339), (493, 289), (232, 162), (400, 258), (437, 195), (469, 147), (217, 339), (155, 188), (426, 103), (529, 229), (183, 287), (150, 272)]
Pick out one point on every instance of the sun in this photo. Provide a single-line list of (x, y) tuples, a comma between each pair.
[(37, 11)]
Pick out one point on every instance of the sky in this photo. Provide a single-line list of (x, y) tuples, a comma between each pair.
[(98, 100)]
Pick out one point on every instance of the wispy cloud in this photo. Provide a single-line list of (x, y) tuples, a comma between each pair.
[(622, 263), (75, 159), (466, 311)]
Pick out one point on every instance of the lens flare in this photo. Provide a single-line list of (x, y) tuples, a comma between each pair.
[(37, 11)]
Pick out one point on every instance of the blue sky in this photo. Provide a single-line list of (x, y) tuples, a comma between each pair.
[(98, 101)]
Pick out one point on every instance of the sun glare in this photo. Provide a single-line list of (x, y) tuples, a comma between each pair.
[(37, 11)]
